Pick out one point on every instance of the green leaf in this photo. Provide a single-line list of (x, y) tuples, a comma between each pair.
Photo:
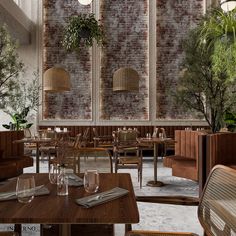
[(6, 126)]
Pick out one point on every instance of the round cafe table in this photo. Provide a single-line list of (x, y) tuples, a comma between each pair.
[(155, 142)]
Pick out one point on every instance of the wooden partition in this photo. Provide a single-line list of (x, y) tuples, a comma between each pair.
[(11, 150), (12, 159), (107, 130)]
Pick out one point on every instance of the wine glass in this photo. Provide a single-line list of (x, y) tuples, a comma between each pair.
[(25, 189), (91, 181)]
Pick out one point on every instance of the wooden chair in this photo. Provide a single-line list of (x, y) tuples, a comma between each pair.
[(217, 206), (67, 154), (48, 150), (96, 152), (104, 141), (85, 138), (127, 153), (28, 147)]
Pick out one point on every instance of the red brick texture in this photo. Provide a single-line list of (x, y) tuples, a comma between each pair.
[(127, 38), (174, 19), (77, 103)]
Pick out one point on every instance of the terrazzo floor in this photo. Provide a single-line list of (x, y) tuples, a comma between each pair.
[(160, 217)]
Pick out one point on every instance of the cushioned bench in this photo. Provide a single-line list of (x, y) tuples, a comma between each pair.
[(12, 159), (185, 161)]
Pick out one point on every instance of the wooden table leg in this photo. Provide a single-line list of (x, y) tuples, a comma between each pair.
[(65, 230), (37, 157), (155, 183)]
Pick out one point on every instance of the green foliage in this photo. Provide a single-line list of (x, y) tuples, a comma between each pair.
[(82, 28), (24, 99), (230, 121), (19, 120), (207, 82), (10, 65), (25, 92)]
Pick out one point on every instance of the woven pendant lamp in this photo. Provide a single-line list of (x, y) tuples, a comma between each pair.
[(227, 5), (126, 79), (56, 80)]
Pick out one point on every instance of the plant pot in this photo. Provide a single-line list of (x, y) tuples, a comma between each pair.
[(85, 32)]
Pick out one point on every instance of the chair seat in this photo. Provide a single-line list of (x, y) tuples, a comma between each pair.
[(129, 160), (156, 233)]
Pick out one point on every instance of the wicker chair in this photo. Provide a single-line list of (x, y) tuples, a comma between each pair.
[(96, 152), (217, 206), (104, 141), (127, 152)]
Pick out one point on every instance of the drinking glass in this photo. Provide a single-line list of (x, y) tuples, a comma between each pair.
[(53, 173), (91, 181), (25, 189), (161, 135)]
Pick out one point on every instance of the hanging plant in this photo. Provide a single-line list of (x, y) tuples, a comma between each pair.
[(82, 28)]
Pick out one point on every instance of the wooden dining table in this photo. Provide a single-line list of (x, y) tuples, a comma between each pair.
[(155, 142), (38, 142), (63, 210)]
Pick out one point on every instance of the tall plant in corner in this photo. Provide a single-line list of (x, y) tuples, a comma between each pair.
[(207, 83), (10, 65)]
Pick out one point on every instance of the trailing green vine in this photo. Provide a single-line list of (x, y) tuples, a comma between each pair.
[(82, 28)]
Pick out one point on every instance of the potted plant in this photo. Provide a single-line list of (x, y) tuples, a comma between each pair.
[(82, 28), (19, 121), (28, 94), (207, 82)]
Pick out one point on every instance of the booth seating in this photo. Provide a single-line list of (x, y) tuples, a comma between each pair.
[(12, 158), (220, 149), (185, 162)]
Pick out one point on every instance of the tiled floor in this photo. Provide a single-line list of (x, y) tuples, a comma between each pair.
[(152, 216)]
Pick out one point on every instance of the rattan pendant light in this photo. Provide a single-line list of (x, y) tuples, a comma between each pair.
[(227, 5), (125, 78), (56, 79)]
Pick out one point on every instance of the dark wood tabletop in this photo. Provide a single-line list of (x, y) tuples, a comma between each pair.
[(63, 209)]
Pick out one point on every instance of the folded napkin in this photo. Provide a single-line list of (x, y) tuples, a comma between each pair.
[(74, 180), (99, 198), (39, 190)]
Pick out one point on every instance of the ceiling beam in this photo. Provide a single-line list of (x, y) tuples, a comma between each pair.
[(19, 25)]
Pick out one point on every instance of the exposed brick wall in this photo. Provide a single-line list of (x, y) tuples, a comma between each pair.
[(174, 19), (75, 104), (126, 26), (126, 44)]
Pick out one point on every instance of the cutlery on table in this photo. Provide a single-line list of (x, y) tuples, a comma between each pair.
[(101, 196)]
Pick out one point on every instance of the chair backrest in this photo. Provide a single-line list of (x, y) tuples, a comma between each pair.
[(95, 132), (217, 208), (126, 137), (78, 141)]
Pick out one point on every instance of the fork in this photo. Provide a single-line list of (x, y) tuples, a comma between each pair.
[(98, 197)]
